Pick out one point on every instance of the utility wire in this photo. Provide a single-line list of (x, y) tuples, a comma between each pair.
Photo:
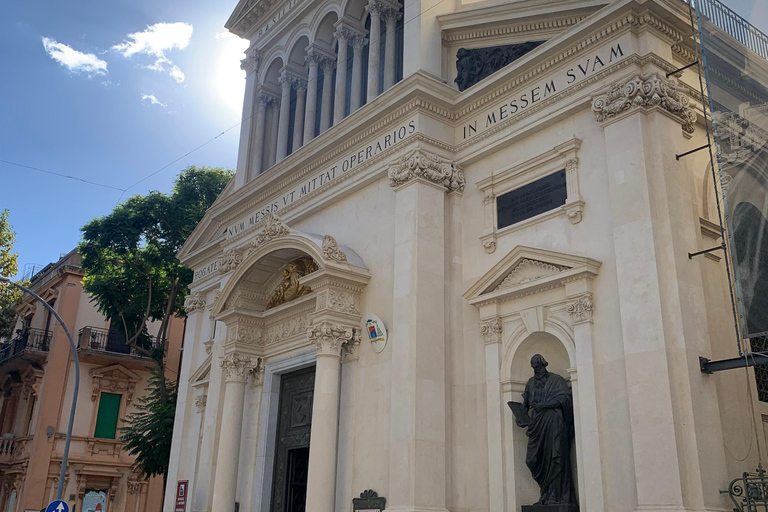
[(69, 176)]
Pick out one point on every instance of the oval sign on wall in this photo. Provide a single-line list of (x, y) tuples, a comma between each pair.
[(377, 332)]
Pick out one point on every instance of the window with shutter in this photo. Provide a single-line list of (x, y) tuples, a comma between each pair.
[(106, 421)]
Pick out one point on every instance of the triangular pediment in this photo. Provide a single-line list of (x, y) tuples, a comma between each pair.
[(202, 374), (116, 371), (529, 269)]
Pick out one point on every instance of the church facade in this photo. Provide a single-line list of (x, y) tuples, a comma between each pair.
[(426, 197)]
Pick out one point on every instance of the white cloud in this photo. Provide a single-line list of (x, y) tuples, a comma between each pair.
[(75, 61), (155, 41), (152, 100)]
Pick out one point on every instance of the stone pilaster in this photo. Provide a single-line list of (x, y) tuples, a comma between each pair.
[(342, 36)]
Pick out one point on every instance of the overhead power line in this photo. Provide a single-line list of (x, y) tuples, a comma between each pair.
[(62, 175)]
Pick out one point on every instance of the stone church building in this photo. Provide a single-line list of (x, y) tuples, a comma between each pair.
[(426, 196)]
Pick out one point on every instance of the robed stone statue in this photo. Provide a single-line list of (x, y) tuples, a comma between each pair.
[(547, 413)]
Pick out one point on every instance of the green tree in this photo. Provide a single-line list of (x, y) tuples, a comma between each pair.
[(9, 295), (152, 426), (131, 271)]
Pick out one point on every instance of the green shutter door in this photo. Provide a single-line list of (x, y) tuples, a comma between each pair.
[(106, 421)]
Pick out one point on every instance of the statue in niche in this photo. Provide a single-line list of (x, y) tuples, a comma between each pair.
[(547, 414), (290, 287)]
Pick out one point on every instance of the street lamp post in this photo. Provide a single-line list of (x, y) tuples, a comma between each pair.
[(65, 456)]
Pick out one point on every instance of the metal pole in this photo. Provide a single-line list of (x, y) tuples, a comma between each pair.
[(65, 456)]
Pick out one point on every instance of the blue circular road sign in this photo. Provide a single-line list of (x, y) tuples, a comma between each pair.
[(57, 506)]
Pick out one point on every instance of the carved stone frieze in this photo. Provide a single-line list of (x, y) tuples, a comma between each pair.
[(245, 298), (286, 329), (200, 402), (343, 301), (421, 164), (194, 301), (330, 337), (244, 334), (114, 379), (645, 91), (331, 250), (134, 487), (229, 261), (581, 309), (491, 331), (237, 366), (529, 270)]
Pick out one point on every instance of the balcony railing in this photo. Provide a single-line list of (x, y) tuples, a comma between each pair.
[(105, 340), (31, 339), (13, 448)]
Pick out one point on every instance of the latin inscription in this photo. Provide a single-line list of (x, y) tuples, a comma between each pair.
[(205, 271), (523, 99), (542, 195), (324, 177), (279, 15)]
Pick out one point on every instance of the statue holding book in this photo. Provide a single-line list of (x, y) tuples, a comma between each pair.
[(547, 414)]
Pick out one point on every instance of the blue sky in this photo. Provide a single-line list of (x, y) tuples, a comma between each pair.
[(112, 91), (108, 92)]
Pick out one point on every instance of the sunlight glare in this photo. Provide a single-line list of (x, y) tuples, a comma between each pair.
[(230, 79)]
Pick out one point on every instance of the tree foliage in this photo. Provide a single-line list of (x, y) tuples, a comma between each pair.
[(129, 256), (148, 431), (9, 295)]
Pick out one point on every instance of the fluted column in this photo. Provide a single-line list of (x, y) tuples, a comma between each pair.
[(390, 18), (271, 150), (313, 60), (374, 9), (285, 109), (257, 148), (342, 35), (235, 372), (298, 118), (321, 478), (325, 113), (358, 43)]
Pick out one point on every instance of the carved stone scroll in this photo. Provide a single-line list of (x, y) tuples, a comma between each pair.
[(420, 164), (331, 250)]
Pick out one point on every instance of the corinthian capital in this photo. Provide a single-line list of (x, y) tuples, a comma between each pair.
[(342, 34), (421, 164), (194, 301), (645, 91), (581, 309), (251, 61), (229, 261), (330, 337), (236, 367)]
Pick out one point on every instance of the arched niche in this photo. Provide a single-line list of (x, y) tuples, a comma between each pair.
[(537, 301), (332, 289), (518, 364)]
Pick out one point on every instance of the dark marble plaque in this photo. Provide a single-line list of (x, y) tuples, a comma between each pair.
[(542, 195), (550, 508)]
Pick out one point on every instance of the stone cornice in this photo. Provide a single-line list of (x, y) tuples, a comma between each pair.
[(461, 35)]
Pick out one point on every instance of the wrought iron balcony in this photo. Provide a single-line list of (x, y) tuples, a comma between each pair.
[(109, 341), (31, 339)]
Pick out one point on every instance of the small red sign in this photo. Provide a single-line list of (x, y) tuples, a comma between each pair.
[(181, 496)]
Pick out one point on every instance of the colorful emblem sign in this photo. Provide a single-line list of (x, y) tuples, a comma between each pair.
[(377, 333)]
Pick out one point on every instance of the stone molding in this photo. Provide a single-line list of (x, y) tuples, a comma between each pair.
[(520, 28), (194, 301), (331, 250), (581, 309), (287, 328), (200, 402), (114, 379), (329, 337), (645, 91), (236, 367), (422, 164), (251, 62), (229, 261), (490, 331)]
